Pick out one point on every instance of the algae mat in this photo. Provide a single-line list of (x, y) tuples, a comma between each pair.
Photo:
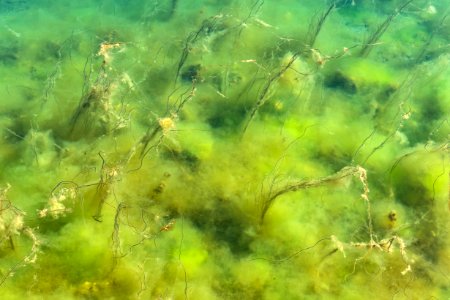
[(224, 149)]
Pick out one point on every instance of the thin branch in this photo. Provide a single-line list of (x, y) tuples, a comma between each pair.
[(274, 193), (381, 29)]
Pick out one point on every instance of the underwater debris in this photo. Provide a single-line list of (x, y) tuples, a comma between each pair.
[(162, 126), (12, 224), (374, 37), (316, 24), (60, 195), (93, 103), (262, 96), (166, 124), (207, 27), (274, 192)]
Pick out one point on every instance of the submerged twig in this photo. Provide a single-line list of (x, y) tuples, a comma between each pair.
[(273, 194), (424, 51), (381, 29), (160, 127), (207, 26), (262, 97), (93, 93), (116, 234), (316, 26), (314, 30)]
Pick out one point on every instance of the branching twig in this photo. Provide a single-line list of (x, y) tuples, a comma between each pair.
[(316, 25), (274, 193), (262, 97), (207, 26), (381, 29), (160, 128)]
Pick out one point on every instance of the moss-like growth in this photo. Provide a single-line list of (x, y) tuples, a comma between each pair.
[(223, 150)]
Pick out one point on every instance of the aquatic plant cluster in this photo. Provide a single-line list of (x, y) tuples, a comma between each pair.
[(224, 149)]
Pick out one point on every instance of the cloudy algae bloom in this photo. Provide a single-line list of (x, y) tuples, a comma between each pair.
[(224, 149)]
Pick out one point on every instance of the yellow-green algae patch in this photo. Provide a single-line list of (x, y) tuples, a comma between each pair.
[(224, 150)]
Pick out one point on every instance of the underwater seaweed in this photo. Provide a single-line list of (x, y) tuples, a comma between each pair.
[(224, 150)]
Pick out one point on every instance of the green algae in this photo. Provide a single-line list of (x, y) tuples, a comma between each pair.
[(141, 144)]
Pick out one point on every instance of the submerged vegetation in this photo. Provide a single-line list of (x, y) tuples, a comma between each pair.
[(224, 150)]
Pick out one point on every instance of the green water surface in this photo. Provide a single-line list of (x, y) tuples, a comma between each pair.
[(206, 149)]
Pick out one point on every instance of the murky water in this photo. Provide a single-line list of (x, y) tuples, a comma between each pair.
[(224, 149)]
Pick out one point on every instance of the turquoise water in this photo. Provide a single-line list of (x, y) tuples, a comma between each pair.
[(224, 149)]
